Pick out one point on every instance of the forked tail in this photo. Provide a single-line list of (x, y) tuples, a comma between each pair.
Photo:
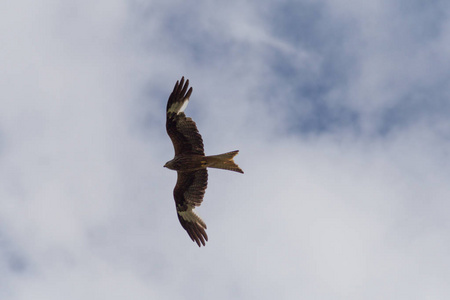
[(224, 161)]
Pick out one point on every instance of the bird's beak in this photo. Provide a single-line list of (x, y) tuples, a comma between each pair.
[(165, 165)]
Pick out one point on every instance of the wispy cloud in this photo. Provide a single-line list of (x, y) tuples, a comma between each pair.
[(339, 110)]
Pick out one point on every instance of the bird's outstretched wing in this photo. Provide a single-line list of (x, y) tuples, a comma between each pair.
[(188, 194), (182, 130)]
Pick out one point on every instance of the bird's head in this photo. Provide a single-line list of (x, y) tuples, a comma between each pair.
[(169, 165)]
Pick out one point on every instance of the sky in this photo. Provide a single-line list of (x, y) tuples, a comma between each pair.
[(340, 112)]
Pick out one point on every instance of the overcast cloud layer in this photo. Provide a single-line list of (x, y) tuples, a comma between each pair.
[(339, 109)]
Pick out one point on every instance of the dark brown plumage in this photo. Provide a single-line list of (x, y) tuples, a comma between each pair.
[(190, 162)]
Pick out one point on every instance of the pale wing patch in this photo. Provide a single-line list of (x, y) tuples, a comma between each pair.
[(178, 107), (190, 216)]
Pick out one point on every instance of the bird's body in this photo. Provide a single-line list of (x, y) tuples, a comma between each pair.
[(187, 163), (190, 162)]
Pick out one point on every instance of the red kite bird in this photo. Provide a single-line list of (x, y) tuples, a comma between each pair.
[(190, 162)]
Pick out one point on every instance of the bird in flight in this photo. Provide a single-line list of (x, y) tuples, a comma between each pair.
[(190, 162)]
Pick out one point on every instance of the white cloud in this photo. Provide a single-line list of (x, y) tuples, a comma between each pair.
[(86, 208)]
